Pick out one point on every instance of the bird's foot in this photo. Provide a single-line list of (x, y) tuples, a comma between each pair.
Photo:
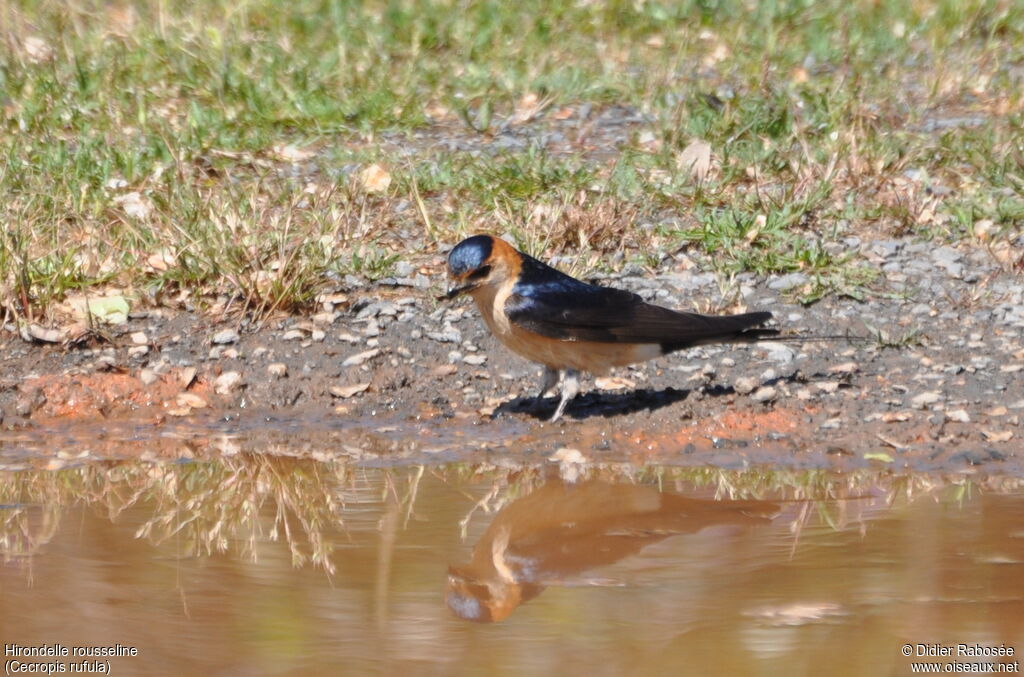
[(570, 389)]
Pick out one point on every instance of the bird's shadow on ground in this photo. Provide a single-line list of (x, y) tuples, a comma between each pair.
[(603, 404)]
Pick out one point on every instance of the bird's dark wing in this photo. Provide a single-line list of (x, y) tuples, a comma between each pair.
[(555, 305)]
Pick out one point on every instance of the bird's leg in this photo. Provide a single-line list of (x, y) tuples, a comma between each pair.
[(570, 389), (549, 379)]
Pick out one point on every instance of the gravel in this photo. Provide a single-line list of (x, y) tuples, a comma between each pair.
[(951, 372)]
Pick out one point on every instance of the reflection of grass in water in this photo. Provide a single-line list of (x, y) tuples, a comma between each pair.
[(216, 506), (205, 507)]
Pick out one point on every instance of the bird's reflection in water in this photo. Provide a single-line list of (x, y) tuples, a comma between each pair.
[(562, 530)]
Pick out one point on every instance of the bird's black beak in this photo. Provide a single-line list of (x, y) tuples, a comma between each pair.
[(456, 291)]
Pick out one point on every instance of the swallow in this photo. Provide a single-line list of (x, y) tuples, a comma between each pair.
[(567, 325)]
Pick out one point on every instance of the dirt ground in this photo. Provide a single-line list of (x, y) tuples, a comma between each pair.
[(390, 374)]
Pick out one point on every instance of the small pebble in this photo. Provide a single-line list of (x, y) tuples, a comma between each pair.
[(227, 383), (924, 399), (225, 336), (745, 385), (958, 415), (325, 318), (844, 368)]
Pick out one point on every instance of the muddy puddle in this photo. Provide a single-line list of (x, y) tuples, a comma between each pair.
[(268, 564)]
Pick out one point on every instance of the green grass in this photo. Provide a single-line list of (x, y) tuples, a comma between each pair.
[(243, 128)]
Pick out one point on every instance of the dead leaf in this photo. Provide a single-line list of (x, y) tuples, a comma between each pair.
[(437, 111), (892, 443), (186, 376), (759, 223), (135, 204), (695, 160), (445, 370), (359, 358), (375, 179), (161, 260), (345, 392), (292, 153), (35, 332), (528, 107), (36, 49), (80, 332), (332, 300), (993, 436), (614, 383), (928, 210), (983, 229), (191, 400), (103, 309)]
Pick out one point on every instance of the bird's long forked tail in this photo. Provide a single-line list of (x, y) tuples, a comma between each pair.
[(745, 328), (707, 329)]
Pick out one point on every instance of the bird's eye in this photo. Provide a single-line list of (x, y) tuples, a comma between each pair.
[(480, 273)]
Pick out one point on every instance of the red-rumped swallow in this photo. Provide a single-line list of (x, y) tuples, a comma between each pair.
[(565, 324)]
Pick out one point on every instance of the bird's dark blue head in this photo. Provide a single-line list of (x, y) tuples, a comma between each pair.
[(469, 255), (469, 264)]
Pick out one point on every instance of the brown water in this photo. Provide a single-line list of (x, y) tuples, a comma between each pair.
[(263, 565)]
